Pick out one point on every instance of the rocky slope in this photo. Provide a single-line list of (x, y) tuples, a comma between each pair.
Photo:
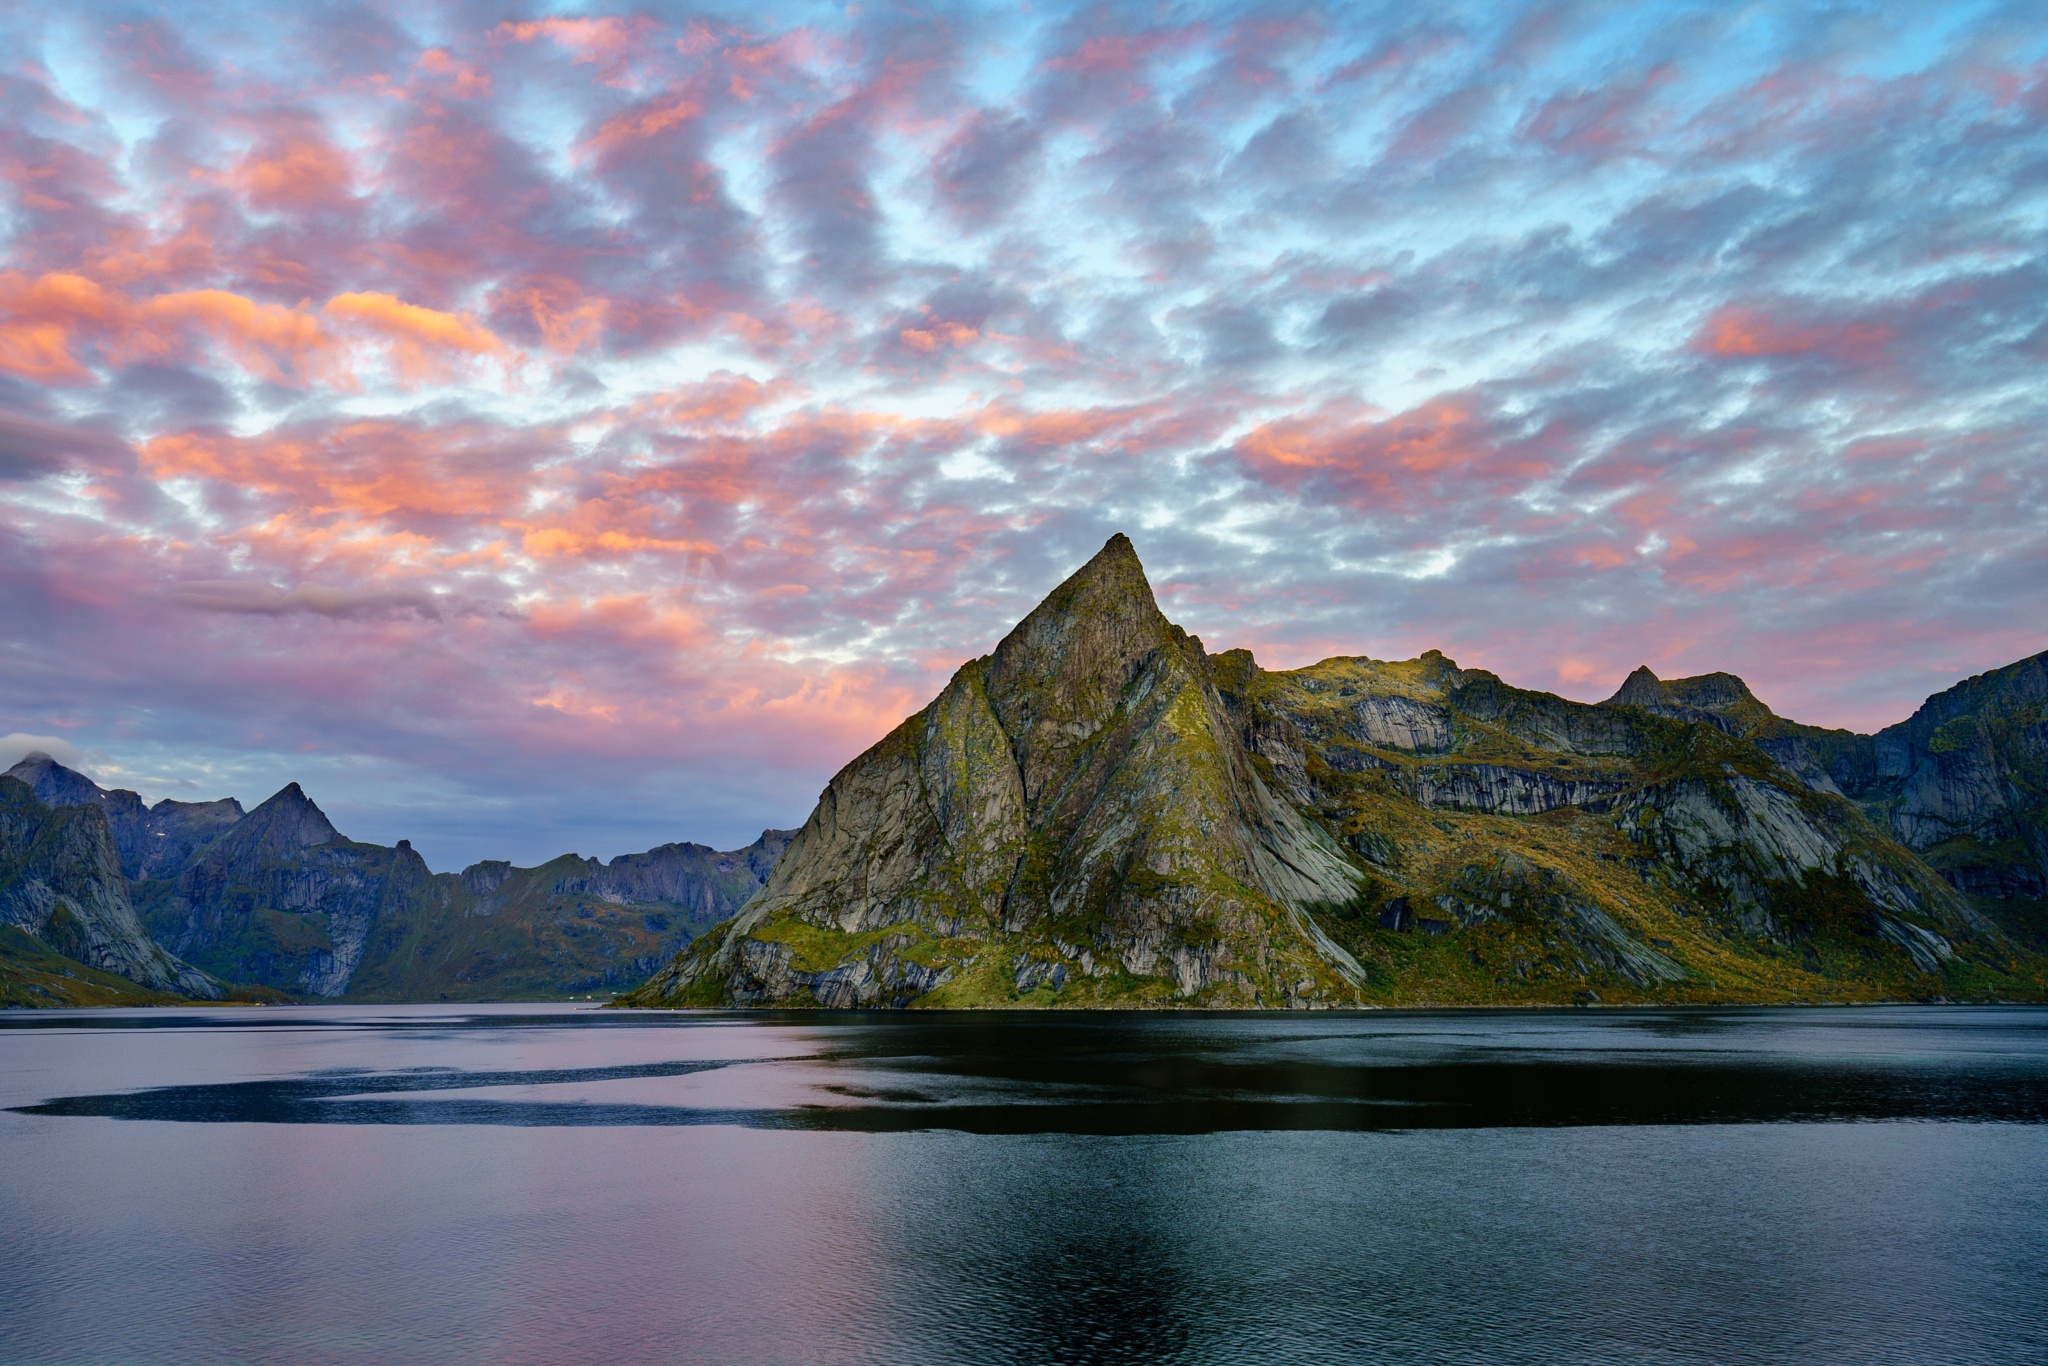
[(61, 885), (152, 841), (1964, 781), (278, 898), (35, 976), (1073, 810), (1101, 813)]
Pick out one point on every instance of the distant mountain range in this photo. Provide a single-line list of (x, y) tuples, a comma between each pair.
[(106, 900), (1101, 813)]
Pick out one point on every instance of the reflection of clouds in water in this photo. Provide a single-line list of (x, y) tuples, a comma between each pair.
[(535, 1185)]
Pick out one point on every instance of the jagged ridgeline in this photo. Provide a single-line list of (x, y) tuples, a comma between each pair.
[(106, 900), (1100, 813)]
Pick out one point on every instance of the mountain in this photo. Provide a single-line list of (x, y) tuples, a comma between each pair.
[(281, 898), (1077, 798), (572, 925), (35, 976), (1964, 782), (152, 841), (61, 885), (1100, 813), (277, 898)]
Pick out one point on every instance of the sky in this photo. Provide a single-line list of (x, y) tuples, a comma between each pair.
[(549, 429)]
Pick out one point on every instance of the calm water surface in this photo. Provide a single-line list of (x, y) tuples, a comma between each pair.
[(550, 1184)]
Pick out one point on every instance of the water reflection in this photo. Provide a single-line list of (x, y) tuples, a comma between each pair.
[(986, 1074), (551, 1186)]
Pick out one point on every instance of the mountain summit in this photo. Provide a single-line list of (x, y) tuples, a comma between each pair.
[(1074, 810), (1099, 812)]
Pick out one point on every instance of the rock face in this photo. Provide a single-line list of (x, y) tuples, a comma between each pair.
[(1101, 813), (284, 900), (1964, 781), (61, 883), (152, 841), (279, 898), (1083, 787), (495, 932)]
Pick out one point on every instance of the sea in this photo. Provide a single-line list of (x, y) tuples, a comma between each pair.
[(562, 1184)]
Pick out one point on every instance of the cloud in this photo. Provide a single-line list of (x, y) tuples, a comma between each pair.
[(17, 746), (30, 448), (265, 599), (614, 410), (980, 170)]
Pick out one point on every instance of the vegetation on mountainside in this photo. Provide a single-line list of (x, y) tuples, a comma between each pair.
[(1153, 826), (1099, 814), (35, 976)]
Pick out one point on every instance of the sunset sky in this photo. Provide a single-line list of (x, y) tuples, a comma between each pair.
[(580, 429)]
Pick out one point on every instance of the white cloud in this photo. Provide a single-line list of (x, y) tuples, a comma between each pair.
[(18, 746)]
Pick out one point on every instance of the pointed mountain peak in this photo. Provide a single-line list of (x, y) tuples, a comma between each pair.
[(1111, 586), (1114, 569), (288, 820), (1059, 675), (1642, 689), (1119, 547), (53, 783)]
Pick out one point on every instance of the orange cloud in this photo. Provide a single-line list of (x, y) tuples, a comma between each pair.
[(571, 703), (44, 319), (468, 81), (301, 173), (39, 319), (643, 121), (268, 340), (930, 339), (568, 319), (419, 337), (1428, 437), (369, 469), (1736, 331), (722, 399), (557, 542), (1057, 426), (606, 39)]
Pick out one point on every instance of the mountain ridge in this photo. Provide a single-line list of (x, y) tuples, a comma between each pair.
[(1100, 813), (276, 899)]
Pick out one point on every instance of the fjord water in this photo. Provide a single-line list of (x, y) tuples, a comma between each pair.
[(553, 1184)]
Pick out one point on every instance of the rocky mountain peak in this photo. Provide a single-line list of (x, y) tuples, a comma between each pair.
[(1642, 689), (53, 783), (1057, 678), (1710, 692), (1076, 805), (284, 824)]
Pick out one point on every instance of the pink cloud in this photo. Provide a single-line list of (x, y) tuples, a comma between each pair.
[(1737, 331), (778, 368)]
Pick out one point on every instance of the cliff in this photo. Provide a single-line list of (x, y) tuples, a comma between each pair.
[(61, 884), (1099, 813), (277, 899)]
